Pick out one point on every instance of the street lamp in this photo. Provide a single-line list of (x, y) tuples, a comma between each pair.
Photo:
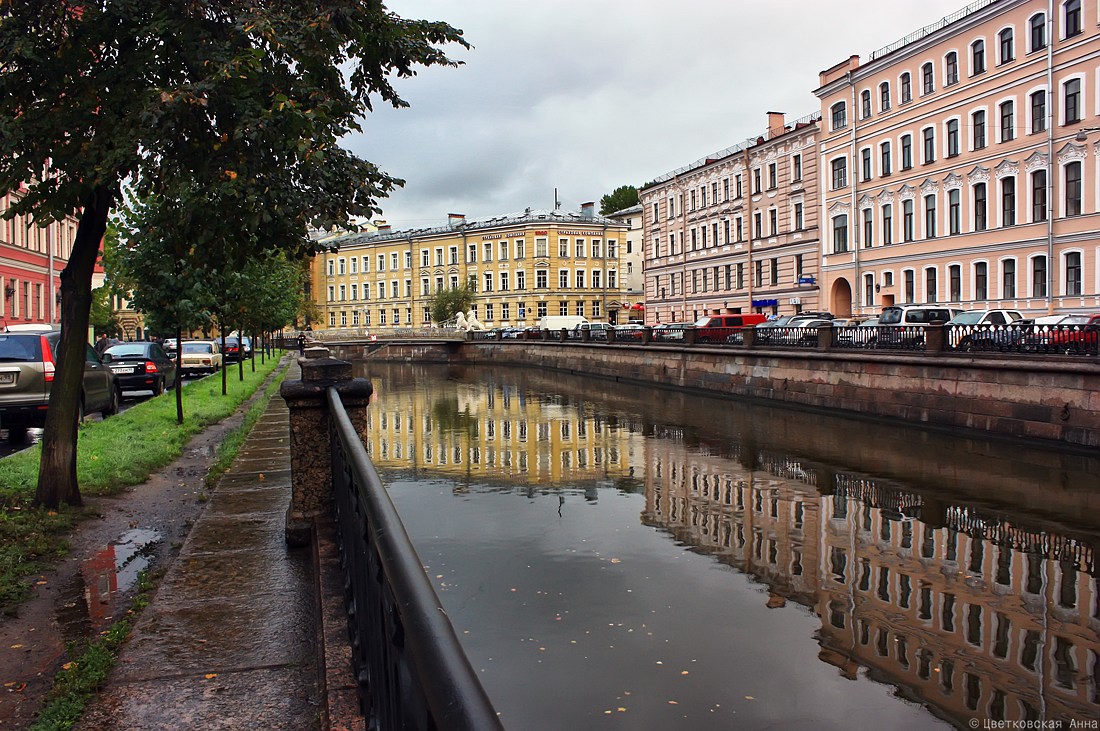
[(1083, 134)]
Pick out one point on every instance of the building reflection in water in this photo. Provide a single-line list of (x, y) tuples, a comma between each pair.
[(965, 605)]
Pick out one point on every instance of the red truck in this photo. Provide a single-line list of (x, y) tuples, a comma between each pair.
[(725, 328)]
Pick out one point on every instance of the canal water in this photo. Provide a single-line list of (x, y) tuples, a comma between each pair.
[(616, 556)]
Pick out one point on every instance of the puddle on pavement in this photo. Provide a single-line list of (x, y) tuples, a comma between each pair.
[(91, 600)]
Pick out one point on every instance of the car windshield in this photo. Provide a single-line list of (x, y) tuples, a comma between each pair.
[(127, 349), (197, 348)]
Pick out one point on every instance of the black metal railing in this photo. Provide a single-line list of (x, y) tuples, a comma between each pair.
[(412, 671)]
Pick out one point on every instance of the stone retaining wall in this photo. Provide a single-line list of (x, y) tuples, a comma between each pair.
[(1056, 400)]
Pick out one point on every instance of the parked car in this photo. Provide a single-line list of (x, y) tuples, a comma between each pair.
[(170, 345), (200, 356), (28, 364), (232, 350), (629, 331), (596, 330), (724, 328), (902, 326), (142, 366), (1074, 334), (670, 332), (985, 330)]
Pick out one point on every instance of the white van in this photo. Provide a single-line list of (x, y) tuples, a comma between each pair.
[(902, 326), (561, 322)]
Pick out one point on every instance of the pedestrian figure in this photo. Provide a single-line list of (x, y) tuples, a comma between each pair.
[(301, 344)]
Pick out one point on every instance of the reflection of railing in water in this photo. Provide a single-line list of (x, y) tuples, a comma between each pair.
[(1042, 543), (413, 673), (871, 493), (787, 468)]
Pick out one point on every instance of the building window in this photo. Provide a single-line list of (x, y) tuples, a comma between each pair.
[(980, 221), (1039, 276), (954, 277), (1038, 32), (798, 222), (906, 83), (1008, 202), (887, 224), (1038, 111), (1008, 121), (1072, 95), (884, 96), (906, 152), (1008, 279), (885, 158), (977, 57), (1006, 43), (928, 79), (981, 281), (929, 136), (865, 163), (977, 124), (869, 289), (796, 168), (1073, 273), (954, 213), (930, 216), (865, 103), (951, 61), (773, 176), (910, 289), (773, 221), (1039, 196), (758, 225), (868, 228), (840, 172), (907, 220), (756, 180), (930, 285), (840, 234), (1072, 10), (839, 115), (952, 137), (1073, 189)]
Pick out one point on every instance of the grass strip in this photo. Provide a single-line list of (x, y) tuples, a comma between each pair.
[(111, 455), (86, 672)]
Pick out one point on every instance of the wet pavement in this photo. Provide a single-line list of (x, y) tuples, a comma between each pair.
[(232, 638)]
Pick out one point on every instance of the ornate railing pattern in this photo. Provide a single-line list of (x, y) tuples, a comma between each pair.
[(412, 671)]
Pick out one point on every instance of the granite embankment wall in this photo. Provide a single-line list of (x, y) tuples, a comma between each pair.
[(1054, 400)]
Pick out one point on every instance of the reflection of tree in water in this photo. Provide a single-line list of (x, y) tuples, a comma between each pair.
[(448, 416), (630, 485)]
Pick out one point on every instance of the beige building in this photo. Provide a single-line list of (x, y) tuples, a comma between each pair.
[(959, 165), (522, 266), (736, 231)]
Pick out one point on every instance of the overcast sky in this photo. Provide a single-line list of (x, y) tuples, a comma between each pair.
[(588, 95)]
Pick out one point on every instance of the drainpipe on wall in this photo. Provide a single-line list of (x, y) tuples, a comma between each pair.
[(854, 220), (748, 224), (1051, 170)]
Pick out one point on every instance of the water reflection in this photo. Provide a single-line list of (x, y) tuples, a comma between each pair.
[(961, 572)]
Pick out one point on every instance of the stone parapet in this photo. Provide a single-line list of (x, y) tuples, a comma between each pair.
[(310, 435)]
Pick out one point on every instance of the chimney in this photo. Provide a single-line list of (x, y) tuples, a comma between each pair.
[(384, 227), (776, 124), (454, 220), (588, 210)]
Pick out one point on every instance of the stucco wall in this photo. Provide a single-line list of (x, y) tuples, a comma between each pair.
[(1034, 399)]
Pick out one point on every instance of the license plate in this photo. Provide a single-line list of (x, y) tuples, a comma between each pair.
[(7, 379), (124, 370)]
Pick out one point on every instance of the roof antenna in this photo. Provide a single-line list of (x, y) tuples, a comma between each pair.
[(557, 203)]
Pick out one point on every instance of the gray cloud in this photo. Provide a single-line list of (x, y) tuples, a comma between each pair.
[(587, 95)]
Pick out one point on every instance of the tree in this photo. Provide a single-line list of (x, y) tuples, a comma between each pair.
[(235, 105), (446, 303), (622, 197), (103, 318)]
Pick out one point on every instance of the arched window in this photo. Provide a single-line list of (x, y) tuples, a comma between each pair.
[(906, 82), (865, 103), (1073, 189), (884, 96), (1037, 31), (839, 114), (928, 79), (977, 57), (1006, 44), (951, 69)]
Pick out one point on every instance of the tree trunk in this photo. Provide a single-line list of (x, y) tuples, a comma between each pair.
[(179, 374), (57, 469)]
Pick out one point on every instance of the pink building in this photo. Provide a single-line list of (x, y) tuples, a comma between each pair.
[(736, 231), (959, 165), (31, 260)]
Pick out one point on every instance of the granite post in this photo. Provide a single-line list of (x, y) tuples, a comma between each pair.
[(310, 437)]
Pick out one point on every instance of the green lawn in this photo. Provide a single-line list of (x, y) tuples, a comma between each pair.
[(111, 455)]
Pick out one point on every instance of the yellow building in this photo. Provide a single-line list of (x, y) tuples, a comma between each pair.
[(522, 267)]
